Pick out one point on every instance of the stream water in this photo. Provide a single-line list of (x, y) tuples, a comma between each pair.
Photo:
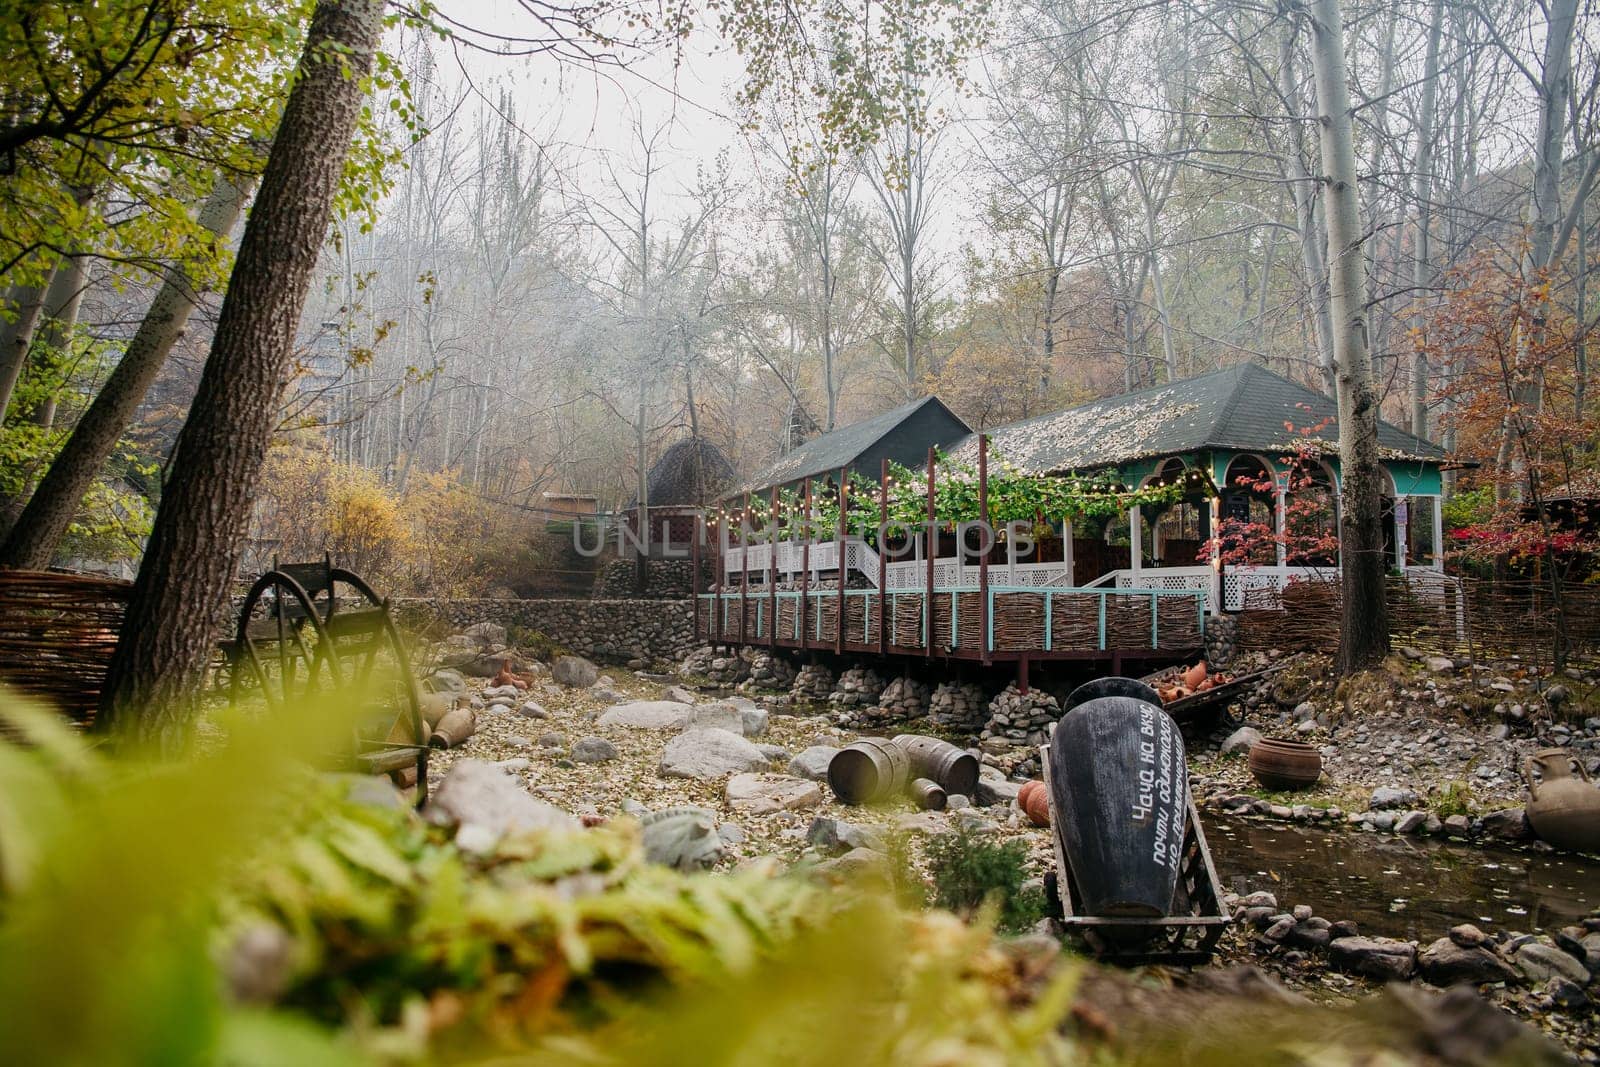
[(1403, 887)]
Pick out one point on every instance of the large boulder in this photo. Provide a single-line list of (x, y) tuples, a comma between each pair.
[(708, 752), (813, 763), (760, 794), (574, 672), (1507, 824), (647, 715), (1542, 962), (1383, 958), (1241, 740), (483, 803), (722, 716), (487, 634), (994, 787), (1444, 963), (685, 839)]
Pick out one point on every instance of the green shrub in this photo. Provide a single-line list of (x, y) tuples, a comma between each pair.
[(969, 871), (535, 643), (1454, 799)]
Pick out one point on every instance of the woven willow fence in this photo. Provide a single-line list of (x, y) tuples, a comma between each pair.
[(1467, 617), (57, 633)]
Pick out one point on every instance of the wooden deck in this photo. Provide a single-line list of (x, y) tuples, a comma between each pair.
[(999, 623)]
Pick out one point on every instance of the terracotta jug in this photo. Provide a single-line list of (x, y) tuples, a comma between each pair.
[(1563, 804)]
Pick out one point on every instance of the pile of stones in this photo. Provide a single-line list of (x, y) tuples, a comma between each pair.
[(813, 682), (902, 700), (1018, 724), (716, 667), (905, 699), (858, 687), (768, 671), (958, 707), (1222, 633)]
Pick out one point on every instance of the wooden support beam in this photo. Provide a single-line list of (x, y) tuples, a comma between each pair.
[(987, 532), (844, 506), (932, 538), (883, 555), (772, 568), (744, 568), (805, 570)]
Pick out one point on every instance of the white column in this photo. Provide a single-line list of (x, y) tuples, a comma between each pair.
[(1438, 533), (1135, 542), (1280, 521), (1066, 549), (1215, 504), (1402, 519)]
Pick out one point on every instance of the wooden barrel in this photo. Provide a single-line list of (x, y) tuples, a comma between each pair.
[(927, 795), (953, 768), (1120, 787), (868, 771)]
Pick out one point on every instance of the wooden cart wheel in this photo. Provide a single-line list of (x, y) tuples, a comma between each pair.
[(278, 633)]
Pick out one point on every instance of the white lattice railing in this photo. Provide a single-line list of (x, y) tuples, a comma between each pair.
[(1239, 582)]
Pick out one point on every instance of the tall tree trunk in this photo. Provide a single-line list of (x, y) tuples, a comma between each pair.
[(167, 634), (1364, 627), (1422, 252), (33, 541), (1554, 90), (24, 305), (61, 305), (1305, 213)]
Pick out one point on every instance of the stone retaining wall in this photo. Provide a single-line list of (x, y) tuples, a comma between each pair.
[(605, 629)]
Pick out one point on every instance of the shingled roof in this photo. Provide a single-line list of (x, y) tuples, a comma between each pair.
[(691, 472), (1240, 408), (926, 421)]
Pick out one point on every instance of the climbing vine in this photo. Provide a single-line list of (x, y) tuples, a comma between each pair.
[(1014, 496)]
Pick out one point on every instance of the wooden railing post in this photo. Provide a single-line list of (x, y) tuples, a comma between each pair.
[(772, 568), (744, 567), (883, 555), (805, 567), (986, 630), (932, 540), (844, 506), (694, 574)]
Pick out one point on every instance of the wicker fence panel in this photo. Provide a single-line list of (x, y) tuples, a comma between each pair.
[(1075, 622), (57, 633), (1179, 624), (1466, 617), (1128, 622), (907, 619), (1019, 622), (855, 620), (825, 627)]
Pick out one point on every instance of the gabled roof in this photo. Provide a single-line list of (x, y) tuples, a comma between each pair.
[(1242, 408), (844, 446)]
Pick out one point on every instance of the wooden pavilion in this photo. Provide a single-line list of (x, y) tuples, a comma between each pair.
[(1231, 449)]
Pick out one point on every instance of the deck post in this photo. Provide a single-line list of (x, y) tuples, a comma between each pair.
[(772, 567), (1066, 551), (987, 622), (1135, 542), (932, 536), (694, 570), (805, 567), (844, 505), (744, 567), (883, 556)]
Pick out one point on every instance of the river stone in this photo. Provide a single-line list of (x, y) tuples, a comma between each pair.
[(760, 794), (685, 839), (1507, 824), (593, 750), (531, 710), (647, 715), (813, 763), (1444, 963), (834, 837), (1542, 962), (755, 720), (574, 672), (853, 864), (707, 752), (1387, 797), (720, 716), (1410, 822), (445, 681), (993, 788), (1383, 958), (1468, 936), (678, 694), (479, 795), (1241, 740)]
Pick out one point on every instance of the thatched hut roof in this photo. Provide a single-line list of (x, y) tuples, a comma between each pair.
[(691, 472)]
